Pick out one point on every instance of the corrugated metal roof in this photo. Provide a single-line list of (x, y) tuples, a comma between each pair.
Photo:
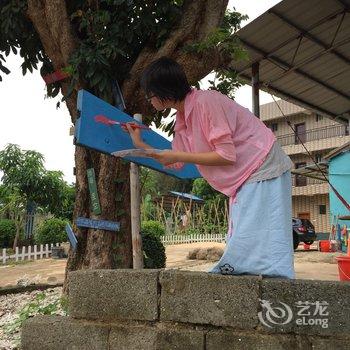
[(303, 48), (270, 110)]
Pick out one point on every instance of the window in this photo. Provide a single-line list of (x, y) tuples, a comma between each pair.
[(319, 117), (274, 127), (322, 209), (318, 158)]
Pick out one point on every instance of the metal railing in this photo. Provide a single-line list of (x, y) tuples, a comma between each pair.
[(314, 134), (299, 181)]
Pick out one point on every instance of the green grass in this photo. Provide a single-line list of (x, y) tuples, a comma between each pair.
[(12, 263)]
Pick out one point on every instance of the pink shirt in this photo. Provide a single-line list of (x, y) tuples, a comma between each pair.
[(213, 122)]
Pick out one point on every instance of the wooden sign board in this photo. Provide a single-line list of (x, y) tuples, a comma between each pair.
[(98, 224), (71, 236), (95, 201), (111, 138)]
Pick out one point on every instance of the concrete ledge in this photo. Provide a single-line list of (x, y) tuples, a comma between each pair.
[(109, 295), (200, 297), (62, 333), (29, 288), (180, 310), (304, 297)]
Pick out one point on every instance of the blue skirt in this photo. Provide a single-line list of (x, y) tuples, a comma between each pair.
[(261, 242)]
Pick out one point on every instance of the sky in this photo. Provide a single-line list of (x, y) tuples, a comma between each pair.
[(33, 122)]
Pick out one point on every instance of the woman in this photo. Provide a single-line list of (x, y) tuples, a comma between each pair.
[(238, 156)]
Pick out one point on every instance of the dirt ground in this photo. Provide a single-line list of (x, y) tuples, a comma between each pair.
[(309, 264)]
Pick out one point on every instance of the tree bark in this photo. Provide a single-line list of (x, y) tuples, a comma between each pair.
[(99, 249)]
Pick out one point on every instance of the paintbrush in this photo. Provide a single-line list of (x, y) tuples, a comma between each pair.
[(104, 120)]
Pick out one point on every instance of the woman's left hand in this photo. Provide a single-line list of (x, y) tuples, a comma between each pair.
[(167, 158)]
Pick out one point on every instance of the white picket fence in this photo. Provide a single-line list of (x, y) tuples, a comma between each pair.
[(179, 239), (29, 253), (44, 251)]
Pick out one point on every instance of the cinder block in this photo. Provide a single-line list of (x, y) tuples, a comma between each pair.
[(155, 338), (204, 298), (62, 333), (109, 295), (306, 307), (226, 340)]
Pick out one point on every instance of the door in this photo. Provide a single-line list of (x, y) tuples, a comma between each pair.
[(300, 180), (300, 133)]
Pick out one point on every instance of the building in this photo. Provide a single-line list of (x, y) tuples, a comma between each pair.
[(320, 135)]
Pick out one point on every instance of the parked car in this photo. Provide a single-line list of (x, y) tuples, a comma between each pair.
[(303, 231)]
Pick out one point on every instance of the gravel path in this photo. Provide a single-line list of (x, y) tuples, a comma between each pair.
[(12, 304)]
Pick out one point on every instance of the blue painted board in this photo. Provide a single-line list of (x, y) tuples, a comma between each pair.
[(97, 224), (339, 176), (111, 138), (71, 236)]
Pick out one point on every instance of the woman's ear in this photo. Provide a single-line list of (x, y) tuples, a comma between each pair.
[(168, 104)]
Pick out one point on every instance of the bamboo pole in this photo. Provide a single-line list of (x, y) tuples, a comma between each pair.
[(135, 195)]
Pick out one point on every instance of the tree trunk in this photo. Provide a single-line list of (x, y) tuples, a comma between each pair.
[(97, 249), (15, 242)]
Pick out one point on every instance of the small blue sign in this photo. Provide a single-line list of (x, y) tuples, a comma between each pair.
[(71, 236), (98, 224)]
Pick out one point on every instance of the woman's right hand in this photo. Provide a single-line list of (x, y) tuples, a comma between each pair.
[(135, 134)]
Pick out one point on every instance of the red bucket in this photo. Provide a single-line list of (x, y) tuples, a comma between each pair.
[(325, 246), (344, 267)]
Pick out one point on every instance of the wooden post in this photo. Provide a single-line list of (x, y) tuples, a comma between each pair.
[(135, 195), (255, 88)]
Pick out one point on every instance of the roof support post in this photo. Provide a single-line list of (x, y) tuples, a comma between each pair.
[(255, 89)]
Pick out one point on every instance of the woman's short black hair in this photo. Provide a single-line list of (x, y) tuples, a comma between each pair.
[(166, 79)]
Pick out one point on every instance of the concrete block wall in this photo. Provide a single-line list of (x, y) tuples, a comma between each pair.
[(170, 309)]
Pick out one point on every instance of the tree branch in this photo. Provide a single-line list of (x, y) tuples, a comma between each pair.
[(199, 19), (53, 26)]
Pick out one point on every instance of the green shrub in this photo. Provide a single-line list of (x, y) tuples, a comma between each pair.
[(51, 231), (7, 233), (153, 251), (152, 227)]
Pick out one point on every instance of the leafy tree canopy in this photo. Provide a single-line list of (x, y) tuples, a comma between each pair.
[(110, 35), (25, 174)]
